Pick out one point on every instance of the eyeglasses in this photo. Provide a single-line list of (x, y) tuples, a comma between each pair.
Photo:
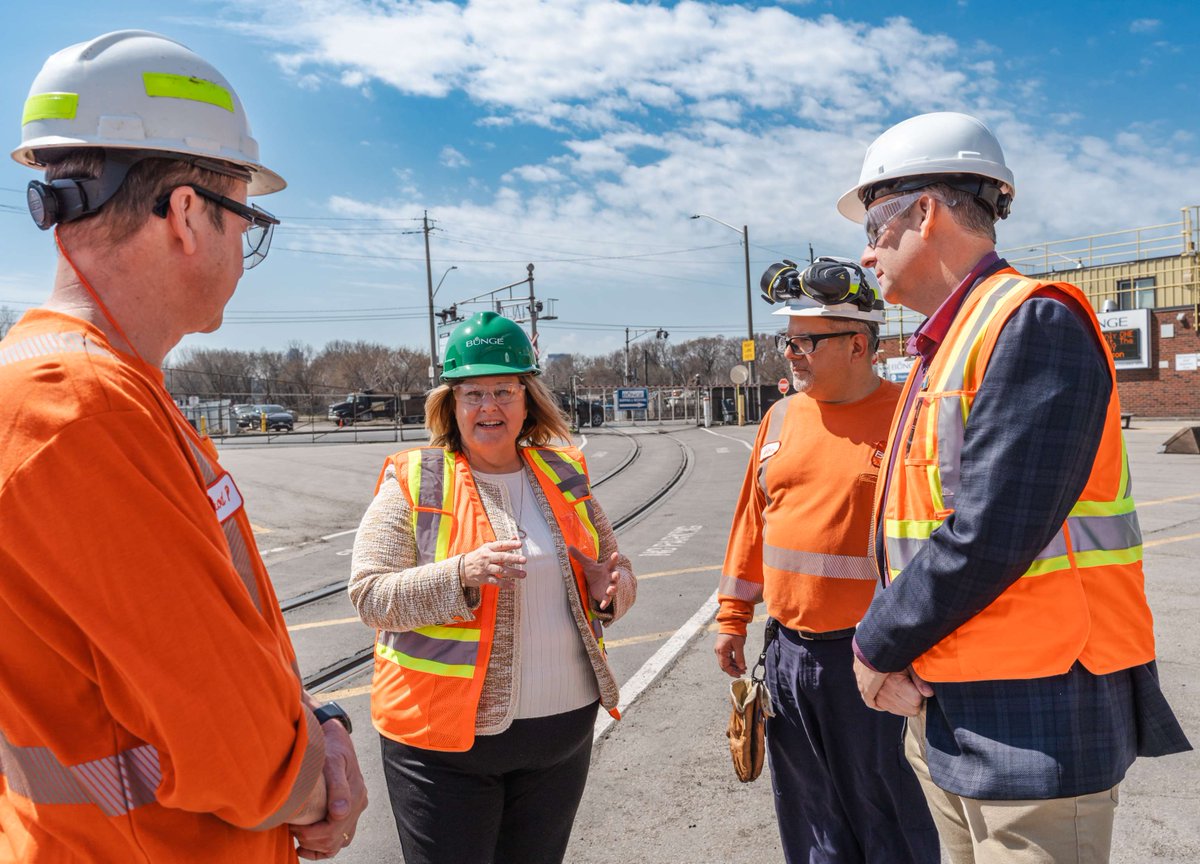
[(474, 396), (882, 215), (804, 345), (256, 236)]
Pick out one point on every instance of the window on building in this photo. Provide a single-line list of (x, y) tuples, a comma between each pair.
[(1135, 293)]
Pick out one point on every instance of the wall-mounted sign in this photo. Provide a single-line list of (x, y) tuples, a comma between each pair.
[(1128, 336)]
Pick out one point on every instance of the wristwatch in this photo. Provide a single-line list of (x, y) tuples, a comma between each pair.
[(333, 711)]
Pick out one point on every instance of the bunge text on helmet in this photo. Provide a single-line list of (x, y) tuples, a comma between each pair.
[(943, 147)]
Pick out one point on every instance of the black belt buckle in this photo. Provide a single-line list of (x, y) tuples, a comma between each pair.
[(827, 635)]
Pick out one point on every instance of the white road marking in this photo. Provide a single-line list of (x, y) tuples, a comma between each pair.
[(722, 449), (670, 543), (745, 444), (326, 538), (662, 660), (583, 442)]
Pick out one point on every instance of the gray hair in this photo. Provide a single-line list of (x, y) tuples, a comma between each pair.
[(968, 211)]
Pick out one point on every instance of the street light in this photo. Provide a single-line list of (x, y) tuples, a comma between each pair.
[(745, 232), (433, 352)]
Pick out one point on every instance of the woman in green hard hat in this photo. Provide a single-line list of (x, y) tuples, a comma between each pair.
[(489, 572)]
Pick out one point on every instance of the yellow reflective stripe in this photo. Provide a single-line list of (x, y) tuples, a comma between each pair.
[(1103, 508), (574, 463), (183, 87), (445, 522), (544, 466), (414, 486), (1048, 565), (431, 666), (1123, 490), (458, 634), (581, 511), (916, 529), (50, 106), (1108, 557)]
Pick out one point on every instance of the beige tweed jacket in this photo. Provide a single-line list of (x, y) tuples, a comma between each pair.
[(391, 592)]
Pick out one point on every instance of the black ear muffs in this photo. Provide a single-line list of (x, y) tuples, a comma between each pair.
[(70, 198)]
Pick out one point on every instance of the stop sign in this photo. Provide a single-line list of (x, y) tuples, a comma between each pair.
[(783, 386)]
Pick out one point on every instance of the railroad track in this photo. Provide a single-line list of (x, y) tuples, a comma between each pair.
[(339, 673)]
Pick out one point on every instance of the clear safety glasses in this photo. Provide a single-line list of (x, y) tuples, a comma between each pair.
[(256, 236), (473, 395), (882, 215), (803, 345)]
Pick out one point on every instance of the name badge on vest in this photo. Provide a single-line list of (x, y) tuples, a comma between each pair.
[(225, 497), (768, 450)]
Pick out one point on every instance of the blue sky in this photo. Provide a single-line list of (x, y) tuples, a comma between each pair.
[(579, 135)]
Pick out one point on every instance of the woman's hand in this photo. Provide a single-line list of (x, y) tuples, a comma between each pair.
[(601, 576), (495, 563)]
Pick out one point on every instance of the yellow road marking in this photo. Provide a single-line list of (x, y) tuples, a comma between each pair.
[(1168, 500), (330, 623), (258, 529), (1166, 540), (348, 693)]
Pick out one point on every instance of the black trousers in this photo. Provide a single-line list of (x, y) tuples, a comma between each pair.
[(510, 799)]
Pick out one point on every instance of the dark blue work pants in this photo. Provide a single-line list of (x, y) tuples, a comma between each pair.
[(844, 793)]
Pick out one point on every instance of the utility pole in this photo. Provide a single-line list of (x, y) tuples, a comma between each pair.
[(749, 321), (533, 310), (626, 356), (433, 364)]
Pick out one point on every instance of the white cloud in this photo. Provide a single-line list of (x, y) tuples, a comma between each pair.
[(451, 158), (1144, 25), (740, 129)]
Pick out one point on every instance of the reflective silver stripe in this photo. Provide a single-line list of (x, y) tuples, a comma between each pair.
[(453, 652), (48, 344), (731, 586), (1107, 533), (950, 423), (1055, 548), (239, 552), (433, 475), (115, 784), (428, 525), (774, 430), (902, 550), (819, 563)]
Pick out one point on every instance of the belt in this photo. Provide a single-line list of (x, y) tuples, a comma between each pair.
[(845, 633)]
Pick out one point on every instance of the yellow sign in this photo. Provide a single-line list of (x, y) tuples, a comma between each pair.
[(747, 349)]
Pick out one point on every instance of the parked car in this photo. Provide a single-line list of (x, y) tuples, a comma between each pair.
[(279, 419), (361, 407), (587, 411)]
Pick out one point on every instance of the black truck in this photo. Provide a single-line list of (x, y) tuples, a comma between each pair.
[(360, 407)]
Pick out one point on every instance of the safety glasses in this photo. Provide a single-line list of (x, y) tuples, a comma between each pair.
[(474, 395), (256, 236), (804, 345), (882, 215)]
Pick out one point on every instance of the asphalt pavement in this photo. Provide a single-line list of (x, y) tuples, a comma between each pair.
[(661, 789)]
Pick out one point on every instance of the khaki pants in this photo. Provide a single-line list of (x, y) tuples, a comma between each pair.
[(1051, 831)]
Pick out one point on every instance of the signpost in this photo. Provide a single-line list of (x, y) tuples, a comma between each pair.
[(632, 398), (748, 351), (784, 386), (739, 375)]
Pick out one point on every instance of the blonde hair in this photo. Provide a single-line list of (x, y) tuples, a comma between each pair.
[(544, 420)]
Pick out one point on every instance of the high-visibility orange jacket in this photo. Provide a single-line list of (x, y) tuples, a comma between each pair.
[(800, 531), (150, 710), (427, 681), (1082, 598)]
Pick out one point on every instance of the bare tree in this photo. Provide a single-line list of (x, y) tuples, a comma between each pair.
[(8, 317)]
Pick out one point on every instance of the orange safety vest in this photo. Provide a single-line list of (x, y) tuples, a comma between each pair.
[(1082, 598), (427, 682)]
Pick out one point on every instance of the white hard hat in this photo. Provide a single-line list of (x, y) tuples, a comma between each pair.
[(136, 90), (806, 308), (943, 142)]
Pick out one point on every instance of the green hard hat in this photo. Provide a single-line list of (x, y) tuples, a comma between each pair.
[(488, 344)]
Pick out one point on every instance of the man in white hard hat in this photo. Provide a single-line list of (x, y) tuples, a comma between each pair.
[(799, 544), (150, 704), (1006, 535)]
